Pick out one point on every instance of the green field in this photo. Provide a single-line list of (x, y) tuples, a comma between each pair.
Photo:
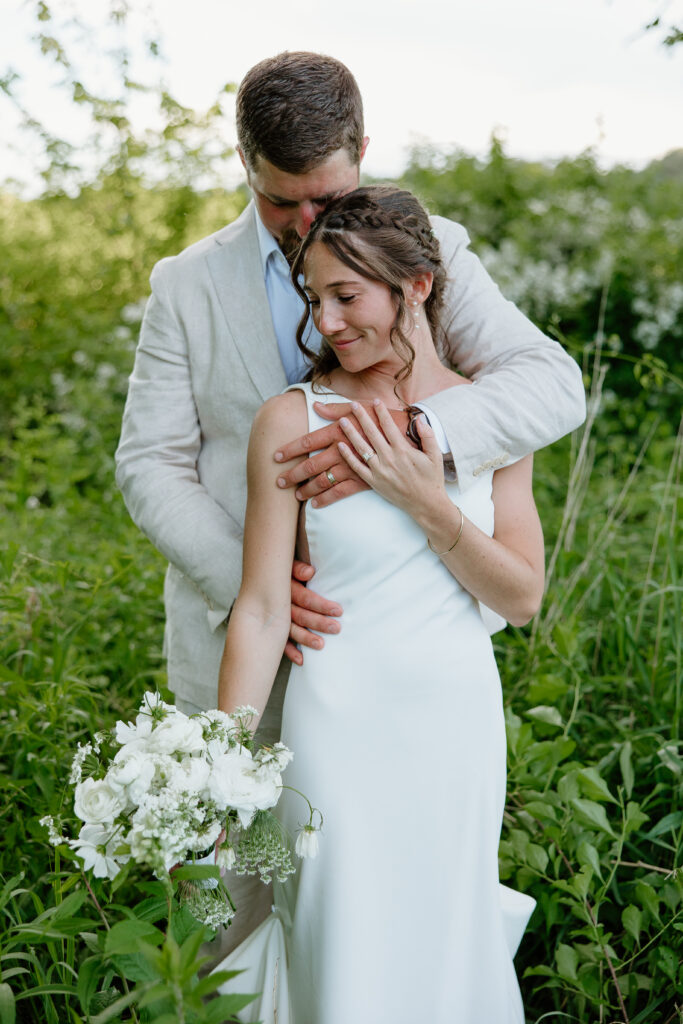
[(593, 687)]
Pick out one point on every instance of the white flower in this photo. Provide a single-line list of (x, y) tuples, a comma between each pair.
[(270, 761), (177, 734), (97, 846), (307, 842), (97, 801), (54, 835), (234, 783), (134, 734), (196, 772), (225, 858), (77, 763), (132, 771)]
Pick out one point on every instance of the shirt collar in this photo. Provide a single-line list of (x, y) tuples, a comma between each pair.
[(266, 242)]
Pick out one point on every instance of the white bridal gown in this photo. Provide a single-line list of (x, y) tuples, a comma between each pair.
[(398, 737)]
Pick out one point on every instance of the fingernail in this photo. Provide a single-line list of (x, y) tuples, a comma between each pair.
[(278, 458), (336, 609), (314, 503), (376, 401), (317, 644), (281, 482), (333, 627), (298, 495), (354, 406), (344, 422)]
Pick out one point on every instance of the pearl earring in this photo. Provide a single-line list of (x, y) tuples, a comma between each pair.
[(416, 313)]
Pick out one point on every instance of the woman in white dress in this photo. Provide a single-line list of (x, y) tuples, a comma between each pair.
[(397, 724)]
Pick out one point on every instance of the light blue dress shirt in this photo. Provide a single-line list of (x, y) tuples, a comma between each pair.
[(286, 307)]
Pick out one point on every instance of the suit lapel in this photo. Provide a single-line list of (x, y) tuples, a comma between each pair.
[(237, 274)]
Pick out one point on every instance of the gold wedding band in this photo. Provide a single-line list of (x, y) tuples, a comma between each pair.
[(330, 476), (366, 456)]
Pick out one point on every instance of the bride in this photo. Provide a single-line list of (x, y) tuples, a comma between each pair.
[(397, 723)]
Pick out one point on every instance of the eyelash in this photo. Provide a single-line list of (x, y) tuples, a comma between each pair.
[(345, 299)]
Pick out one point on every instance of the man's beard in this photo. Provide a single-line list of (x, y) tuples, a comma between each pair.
[(289, 242)]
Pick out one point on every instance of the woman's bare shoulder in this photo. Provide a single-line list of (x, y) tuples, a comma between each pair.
[(281, 419)]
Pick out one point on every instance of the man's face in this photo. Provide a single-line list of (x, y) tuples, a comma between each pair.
[(289, 203)]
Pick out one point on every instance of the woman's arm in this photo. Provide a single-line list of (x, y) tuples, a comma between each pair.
[(260, 619), (504, 572)]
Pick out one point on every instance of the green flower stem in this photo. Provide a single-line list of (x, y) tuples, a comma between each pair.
[(313, 810)]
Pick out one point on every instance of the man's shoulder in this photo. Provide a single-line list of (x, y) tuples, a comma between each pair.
[(449, 231), (234, 233)]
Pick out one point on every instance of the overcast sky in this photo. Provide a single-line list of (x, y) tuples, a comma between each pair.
[(555, 76)]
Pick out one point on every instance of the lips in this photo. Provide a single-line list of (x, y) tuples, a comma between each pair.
[(342, 342)]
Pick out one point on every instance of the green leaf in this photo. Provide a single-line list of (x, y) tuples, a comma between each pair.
[(581, 881), (546, 690), (593, 785), (114, 1009), (591, 814), (635, 817), (68, 907), (541, 811), (626, 765), (47, 990), (135, 967), (88, 974), (670, 757), (537, 857), (8, 1011), (567, 960), (568, 786), (648, 898), (668, 962), (184, 925), (217, 1010), (588, 856), (131, 936), (669, 823), (200, 871), (632, 919), (547, 714)]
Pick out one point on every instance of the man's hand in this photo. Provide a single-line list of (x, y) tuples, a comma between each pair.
[(313, 471), (309, 611)]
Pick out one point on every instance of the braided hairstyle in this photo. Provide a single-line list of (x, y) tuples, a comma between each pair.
[(381, 232)]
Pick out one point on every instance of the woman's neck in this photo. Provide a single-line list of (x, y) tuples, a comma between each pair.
[(427, 377)]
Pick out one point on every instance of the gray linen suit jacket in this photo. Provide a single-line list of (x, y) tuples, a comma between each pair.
[(208, 358)]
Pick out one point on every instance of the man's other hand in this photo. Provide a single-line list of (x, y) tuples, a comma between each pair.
[(310, 612)]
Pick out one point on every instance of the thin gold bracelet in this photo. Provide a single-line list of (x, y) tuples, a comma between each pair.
[(441, 553)]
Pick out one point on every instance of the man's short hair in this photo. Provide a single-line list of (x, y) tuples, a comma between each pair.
[(296, 109)]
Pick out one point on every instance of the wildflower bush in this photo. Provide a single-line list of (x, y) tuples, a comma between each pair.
[(593, 825)]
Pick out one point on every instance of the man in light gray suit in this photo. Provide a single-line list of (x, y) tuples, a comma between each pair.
[(218, 338)]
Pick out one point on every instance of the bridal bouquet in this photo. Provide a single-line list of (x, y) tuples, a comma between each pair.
[(174, 787)]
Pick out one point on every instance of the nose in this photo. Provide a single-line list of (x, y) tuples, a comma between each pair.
[(329, 320), (306, 214)]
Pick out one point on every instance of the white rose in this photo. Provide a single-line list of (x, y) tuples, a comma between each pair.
[(134, 734), (96, 801), (177, 734), (233, 783), (196, 772), (132, 772)]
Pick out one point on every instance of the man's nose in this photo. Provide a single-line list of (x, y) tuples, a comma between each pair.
[(306, 214)]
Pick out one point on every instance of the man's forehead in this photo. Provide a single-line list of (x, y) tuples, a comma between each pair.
[(337, 173)]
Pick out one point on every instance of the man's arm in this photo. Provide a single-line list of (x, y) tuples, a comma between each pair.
[(157, 461), (529, 390)]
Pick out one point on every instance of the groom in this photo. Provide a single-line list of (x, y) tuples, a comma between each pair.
[(218, 338)]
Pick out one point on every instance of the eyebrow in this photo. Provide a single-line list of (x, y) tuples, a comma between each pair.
[(322, 200), (332, 284)]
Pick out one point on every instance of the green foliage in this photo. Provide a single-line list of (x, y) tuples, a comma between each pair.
[(593, 825)]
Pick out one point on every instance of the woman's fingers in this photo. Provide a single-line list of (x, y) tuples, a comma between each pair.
[(391, 431)]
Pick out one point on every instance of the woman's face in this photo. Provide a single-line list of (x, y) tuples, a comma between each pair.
[(353, 313)]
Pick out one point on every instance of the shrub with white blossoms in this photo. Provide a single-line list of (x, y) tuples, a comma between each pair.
[(178, 786)]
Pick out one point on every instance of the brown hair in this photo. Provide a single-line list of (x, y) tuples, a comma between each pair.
[(383, 233), (296, 109)]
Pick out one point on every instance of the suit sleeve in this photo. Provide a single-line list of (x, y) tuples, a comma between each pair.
[(156, 461), (529, 390)]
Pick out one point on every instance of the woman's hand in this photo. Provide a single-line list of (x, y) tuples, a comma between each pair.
[(411, 479)]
